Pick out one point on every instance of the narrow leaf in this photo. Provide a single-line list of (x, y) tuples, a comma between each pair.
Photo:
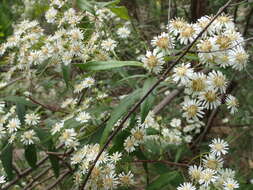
[(20, 110), (105, 65), (148, 103), (31, 155), (118, 112), (6, 158), (164, 180), (121, 11)]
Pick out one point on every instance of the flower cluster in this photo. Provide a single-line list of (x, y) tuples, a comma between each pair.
[(211, 174), (104, 176)]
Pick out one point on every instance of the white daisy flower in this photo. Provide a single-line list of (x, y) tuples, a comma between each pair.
[(182, 73), (232, 104), (32, 119), (153, 61), (195, 172), (223, 42), (176, 25), (130, 143), (138, 133), (126, 179), (13, 125), (219, 147), (238, 58), (123, 32), (186, 186), (230, 184), (223, 21), (76, 34), (217, 80), (187, 34), (83, 117), (210, 99), (213, 162), (222, 59), (28, 137), (202, 23), (163, 42), (57, 127), (68, 137), (197, 84), (115, 157), (109, 44), (207, 50), (207, 176), (192, 109)]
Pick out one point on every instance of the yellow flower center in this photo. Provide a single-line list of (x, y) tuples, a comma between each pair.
[(198, 85), (187, 31), (163, 42), (210, 96), (224, 42), (192, 110)]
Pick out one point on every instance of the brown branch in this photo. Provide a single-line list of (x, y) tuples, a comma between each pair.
[(40, 182), (133, 109), (58, 180), (167, 100), (248, 22), (48, 107), (163, 161), (36, 178), (27, 171)]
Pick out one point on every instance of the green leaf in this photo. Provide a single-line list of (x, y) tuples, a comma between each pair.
[(121, 11), (164, 180), (118, 112), (148, 103), (31, 155), (66, 74), (86, 5), (20, 110), (46, 140), (191, 57), (106, 65), (118, 142), (19, 100), (6, 158)]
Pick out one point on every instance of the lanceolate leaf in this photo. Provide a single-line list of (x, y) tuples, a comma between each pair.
[(170, 178), (19, 100), (31, 155), (20, 109), (118, 112), (46, 140), (6, 158), (121, 12), (148, 103), (106, 65)]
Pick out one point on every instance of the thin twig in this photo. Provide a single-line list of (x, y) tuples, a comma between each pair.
[(36, 178), (133, 109), (163, 161), (58, 180), (167, 100), (28, 171), (48, 107), (12, 82), (248, 22)]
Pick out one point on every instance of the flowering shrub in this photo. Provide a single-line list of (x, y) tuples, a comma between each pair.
[(73, 94)]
